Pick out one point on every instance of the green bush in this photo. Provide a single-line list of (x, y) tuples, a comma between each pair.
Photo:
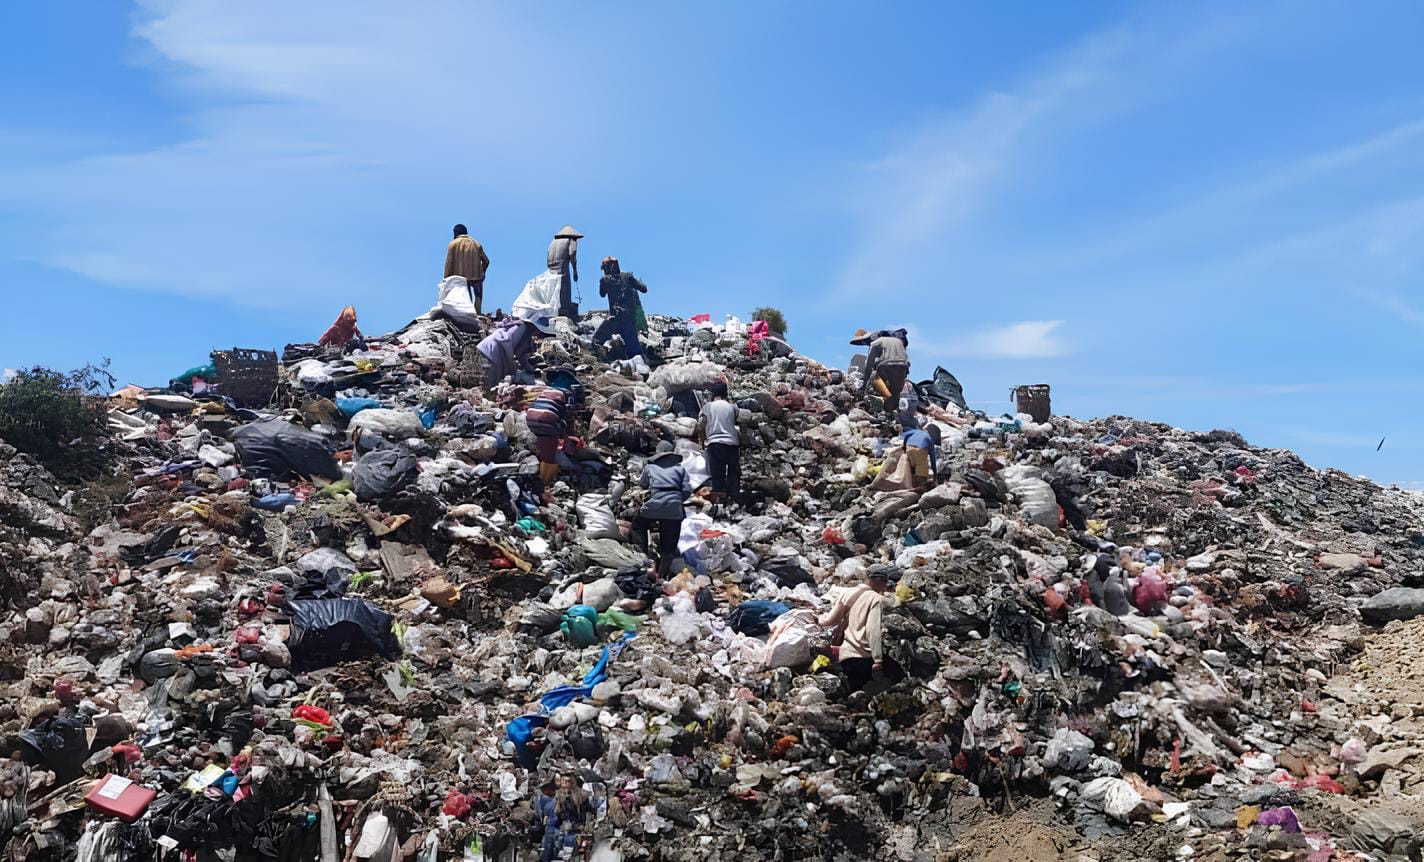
[(60, 419), (774, 319)]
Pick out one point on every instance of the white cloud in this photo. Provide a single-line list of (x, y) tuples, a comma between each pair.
[(315, 129), (1027, 339), (948, 171), (8, 374)]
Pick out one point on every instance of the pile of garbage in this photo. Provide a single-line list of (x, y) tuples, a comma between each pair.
[(351, 622)]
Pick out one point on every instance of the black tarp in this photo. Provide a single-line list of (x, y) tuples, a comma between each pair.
[(281, 448), (944, 389)]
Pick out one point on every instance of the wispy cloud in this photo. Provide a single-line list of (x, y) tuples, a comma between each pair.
[(1028, 339), (946, 172)]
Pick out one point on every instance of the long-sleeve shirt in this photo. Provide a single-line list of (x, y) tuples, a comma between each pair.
[(622, 290), (466, 258), (563, 255), (670, 484), (921, 439), (885, 350), (860, 610)]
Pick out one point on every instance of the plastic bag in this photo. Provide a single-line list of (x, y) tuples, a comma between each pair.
[(455, 301), (596, 515), (382, 473), (393, 424), (281, 449), (792, 640), (329, 631), (680, 377), (539, 299), (683, 623)]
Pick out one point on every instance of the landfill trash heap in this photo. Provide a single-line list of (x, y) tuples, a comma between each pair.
[(353, 624)]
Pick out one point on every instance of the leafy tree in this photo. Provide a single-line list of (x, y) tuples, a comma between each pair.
[(773, 318), (60, 419)]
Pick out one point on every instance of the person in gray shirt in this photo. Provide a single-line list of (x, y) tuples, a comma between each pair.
[(717, 429), (563, 259)]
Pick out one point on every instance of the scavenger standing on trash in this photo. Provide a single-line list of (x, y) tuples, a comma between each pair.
[(563, 259), (665, 477), (466, 258), (886, 368), (622, 289), (717, 429)]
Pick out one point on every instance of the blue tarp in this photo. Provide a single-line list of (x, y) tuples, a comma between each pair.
[(521, 730)]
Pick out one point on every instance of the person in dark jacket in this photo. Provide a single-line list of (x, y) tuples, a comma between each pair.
[(622, 289), (670, 485)]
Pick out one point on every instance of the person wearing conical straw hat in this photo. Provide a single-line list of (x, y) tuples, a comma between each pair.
[(563, 259)]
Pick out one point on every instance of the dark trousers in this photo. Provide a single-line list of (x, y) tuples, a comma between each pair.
[(669, 530), (724, 462), (894, 377), (859, 671)]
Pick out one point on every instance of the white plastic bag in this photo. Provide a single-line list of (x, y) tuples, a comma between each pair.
[(540, 298), (790, 641), (455, 301), (679, 377), (392, 424), (596, 515)]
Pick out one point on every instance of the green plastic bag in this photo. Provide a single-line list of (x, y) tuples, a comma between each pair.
[(530, 525), (616, 619), (639, 317), (580, 625), (208, 372)]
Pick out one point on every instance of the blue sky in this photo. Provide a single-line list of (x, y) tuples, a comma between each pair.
[(1209, 215)]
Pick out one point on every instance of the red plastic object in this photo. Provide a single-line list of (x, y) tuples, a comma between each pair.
[(457, 804), (1306, 705), (248, 635), (118, 797), (128, 751), (314, 714), (1320, 782), (1053, 602), (832, 536)]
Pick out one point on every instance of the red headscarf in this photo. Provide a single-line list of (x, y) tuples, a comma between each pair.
[(343, 330)]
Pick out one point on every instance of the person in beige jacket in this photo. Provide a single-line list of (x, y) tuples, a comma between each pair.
[(466, 258), (855, 617)]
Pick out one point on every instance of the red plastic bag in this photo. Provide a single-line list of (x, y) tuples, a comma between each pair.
[(314, 714), (1150, 593), (1320, 782), (832, 536), (456, 804)]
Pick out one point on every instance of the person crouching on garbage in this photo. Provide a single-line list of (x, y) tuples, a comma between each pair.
[(508, 348), (548, 420), (670, 485), (855, 620), (562, 807)]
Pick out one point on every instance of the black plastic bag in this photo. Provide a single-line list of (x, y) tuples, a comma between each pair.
[(329, 631), (586, 740), (59, 743), (635, 584), (281, 448), (943, 390), (382, 473), (787, 572)]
